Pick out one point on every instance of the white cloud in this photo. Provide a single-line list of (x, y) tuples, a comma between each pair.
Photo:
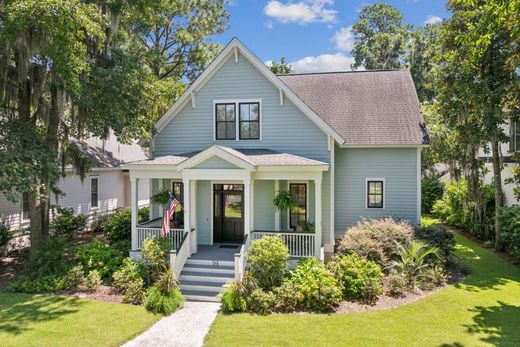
[(302, 12), (323, 63), (433, 20), (268, 63), (344, 39)]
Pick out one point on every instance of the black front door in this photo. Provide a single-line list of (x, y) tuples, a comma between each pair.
[(228, 213)]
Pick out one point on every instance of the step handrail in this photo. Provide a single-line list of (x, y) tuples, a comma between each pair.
[(241, 258), (179, 256)]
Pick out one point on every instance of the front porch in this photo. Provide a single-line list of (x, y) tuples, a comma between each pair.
[(227, 198)]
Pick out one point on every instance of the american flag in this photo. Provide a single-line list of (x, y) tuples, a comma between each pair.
[(168, 214)]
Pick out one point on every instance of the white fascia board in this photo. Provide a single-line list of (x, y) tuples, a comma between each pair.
[(226, 53), (215, 151), (293, 168), (288, 175)]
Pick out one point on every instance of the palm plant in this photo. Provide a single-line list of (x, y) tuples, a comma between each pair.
[(413, 259)]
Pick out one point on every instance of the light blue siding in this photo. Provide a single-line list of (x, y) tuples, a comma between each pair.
[(215, 163), (204, 214), (398, 166), (284, 128), (155, 210), (263, 205)]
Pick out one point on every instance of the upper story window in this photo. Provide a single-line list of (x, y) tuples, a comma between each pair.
[(375, 193), (237, 120), (514, 141), (250, 121)]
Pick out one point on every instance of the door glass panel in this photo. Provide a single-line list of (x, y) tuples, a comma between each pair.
[(233, 205)]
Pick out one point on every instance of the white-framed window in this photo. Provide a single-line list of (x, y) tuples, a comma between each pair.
[(375, 193), (237, 119), (299, 214), (25, 206), (514, 141), (94, 191)]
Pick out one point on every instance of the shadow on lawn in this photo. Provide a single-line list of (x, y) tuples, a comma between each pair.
[(18, 314), (500, 323)]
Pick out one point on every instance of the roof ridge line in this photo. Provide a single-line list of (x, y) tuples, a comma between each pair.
[(339, 72)]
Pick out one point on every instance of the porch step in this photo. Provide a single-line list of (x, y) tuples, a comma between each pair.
[(212, 263), (204, 280)]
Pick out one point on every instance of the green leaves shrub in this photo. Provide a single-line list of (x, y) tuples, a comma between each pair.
[(67, 222), (104, 258), (267, 259), (233, 300), (128, 281), (261, 302), (431, 190), (360, 278), (119, 227), (439, 236), (5, 234), (163, 303), (509, 218)]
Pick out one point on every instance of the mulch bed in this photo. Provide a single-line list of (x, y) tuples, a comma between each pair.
[(102, 293), (11, 266)]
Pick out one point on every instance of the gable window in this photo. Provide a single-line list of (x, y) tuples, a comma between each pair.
[(375, 193), (225, 121), (25, 206), (94, 191), (298, 214), (249, 121), (514, 141)]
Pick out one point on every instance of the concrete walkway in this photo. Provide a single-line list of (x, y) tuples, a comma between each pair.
[(186, 327)]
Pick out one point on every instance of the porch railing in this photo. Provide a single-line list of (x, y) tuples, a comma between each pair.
[(179, 255), (241, 258), (301, 245), (143, 233)]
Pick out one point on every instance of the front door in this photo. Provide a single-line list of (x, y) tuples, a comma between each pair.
[(228, 213)]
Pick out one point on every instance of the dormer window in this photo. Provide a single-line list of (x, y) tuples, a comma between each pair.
[(242, 126)]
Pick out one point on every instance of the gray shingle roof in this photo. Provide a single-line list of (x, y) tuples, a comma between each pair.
[(259, 157), (366, 107)]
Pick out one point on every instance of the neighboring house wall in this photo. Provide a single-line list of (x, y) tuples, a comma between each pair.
[(283, 128), (398, 167)]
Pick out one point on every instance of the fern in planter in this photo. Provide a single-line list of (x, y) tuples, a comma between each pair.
[(161, 197), (284, 200)]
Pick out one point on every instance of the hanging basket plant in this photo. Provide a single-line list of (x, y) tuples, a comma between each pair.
[(284, 200), (161, 197)]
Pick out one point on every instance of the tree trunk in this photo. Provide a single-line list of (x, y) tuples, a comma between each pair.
[(497, 178)]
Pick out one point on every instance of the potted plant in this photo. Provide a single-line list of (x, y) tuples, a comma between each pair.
[(161, 198), (284, 200)]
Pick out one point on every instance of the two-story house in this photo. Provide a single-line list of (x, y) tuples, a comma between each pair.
[(347, 145)]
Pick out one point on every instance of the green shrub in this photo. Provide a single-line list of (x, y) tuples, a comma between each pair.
[(287, 297), (267, 259), (128, 282), (163, 303), (119, 226), (360, 278), (5, 234), (75, 276), (67, 222), (431, 190), (39, 284), (99, 222), (509, 218), (376, 239), (413, 262), (102, 257), (93, 280), (260, 302), (396, 285), (232, 299), (456, 209), (153, 259), (320, 291), (48, 258), (434, 276), (438, 236)]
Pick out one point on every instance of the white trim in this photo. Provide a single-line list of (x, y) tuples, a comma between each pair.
[(237, 103), (366, 192), (332, 176), (384, 146), (235, 44), (287, 175), (281, 96), (293, 168), (419, 192), (193, 100), (276, 211), (307, 189), (211, 212), (216, 174), (236, 54), (218, 152)]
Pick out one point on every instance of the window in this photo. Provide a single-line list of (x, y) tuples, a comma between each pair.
[(514, 142), (249, 121), (298, 214), (178, 191), (25, 206), (225, 121), (94, 191), (375, 190)]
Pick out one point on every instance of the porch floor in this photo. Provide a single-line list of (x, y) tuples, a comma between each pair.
[(216, 252)]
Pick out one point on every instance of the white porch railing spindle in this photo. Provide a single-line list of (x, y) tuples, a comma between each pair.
[(301, 245), (144, 233)]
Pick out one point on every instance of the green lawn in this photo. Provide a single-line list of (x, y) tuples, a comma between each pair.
[(45, 320), (482, 310)]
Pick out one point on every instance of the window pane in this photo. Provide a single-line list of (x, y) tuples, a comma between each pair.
[(244, 112), (221, 130), (254, 132), (94, 192), (230, 113), (25, 206), (221, 112), (230, 130), (253, 113), (244, 130)]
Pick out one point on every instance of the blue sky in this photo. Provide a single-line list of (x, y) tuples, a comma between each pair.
[(313, 35)]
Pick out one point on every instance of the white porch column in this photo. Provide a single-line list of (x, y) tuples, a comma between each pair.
[(133, 204), (252, 211), (247, 206), (276, 211), (193, 216), (187, 208), (318, 208)]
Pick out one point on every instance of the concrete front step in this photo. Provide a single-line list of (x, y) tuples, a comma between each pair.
[(197, 295)]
